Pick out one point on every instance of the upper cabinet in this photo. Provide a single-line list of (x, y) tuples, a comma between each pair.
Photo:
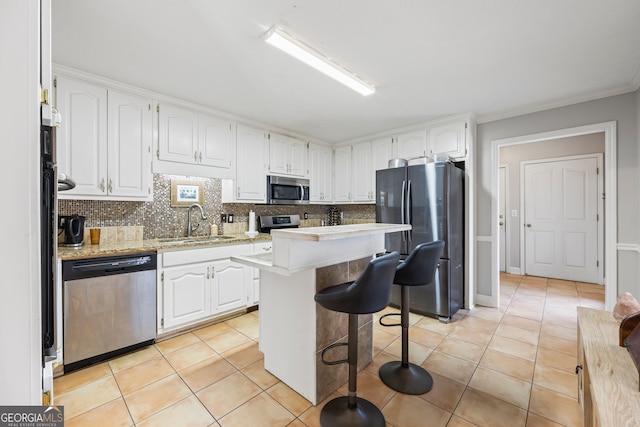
[(104, 142), (192, 143), (287, 155), (321, 171), (342, 174), (449, 139), (250, 184), (362, 173), (412, 144)]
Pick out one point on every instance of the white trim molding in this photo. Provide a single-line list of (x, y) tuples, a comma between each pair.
[(610, 207), (628, 247)]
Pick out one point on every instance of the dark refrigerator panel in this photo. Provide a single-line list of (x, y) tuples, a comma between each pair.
[(390, 206), (430, 197)]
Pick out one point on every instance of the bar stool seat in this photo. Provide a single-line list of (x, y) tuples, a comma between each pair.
[(369, 293), (418, 269)]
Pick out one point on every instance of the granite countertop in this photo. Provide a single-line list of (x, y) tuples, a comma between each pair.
[(88, 250), (338, 231)]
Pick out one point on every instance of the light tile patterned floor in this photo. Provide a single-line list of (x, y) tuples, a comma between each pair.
[(512, 366)]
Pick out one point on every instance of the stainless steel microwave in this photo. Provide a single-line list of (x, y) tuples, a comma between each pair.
[(282, 190)]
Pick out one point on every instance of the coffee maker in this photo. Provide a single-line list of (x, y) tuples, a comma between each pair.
[(73, 228)]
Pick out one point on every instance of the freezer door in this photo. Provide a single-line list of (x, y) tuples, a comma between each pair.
[(391, 204), (427, 194), (432, 300)]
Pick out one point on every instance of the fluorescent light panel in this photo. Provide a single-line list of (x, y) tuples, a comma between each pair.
[(285, 42)]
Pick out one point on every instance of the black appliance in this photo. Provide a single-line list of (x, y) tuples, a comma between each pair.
[(266, 223), (50, 183), (73, 228), (282, 190), (430, 197), (49, 236)]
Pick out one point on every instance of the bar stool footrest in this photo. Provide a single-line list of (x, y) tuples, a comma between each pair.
[(411, 379), (333, 362), (337, 413), (389, 324)]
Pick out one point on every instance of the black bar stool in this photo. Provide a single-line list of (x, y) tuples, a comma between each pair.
[(418, 269), (369, 293)]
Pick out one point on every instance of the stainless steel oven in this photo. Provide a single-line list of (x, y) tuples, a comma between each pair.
[(283, 190)]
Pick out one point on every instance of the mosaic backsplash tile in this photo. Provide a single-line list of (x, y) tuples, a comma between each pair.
[(160, 220)]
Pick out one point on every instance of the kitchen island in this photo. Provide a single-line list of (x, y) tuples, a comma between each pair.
[(293, 328)]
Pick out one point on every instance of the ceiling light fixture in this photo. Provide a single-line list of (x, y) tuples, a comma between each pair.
[(287, 43)]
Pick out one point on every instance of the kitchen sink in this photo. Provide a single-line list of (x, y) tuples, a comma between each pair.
[(181, 240)]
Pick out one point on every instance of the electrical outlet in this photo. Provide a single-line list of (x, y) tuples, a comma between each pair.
[(223, 218), (514, 213), (306, 215)]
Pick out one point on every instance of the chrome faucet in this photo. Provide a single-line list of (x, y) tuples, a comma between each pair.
[(191, 228)]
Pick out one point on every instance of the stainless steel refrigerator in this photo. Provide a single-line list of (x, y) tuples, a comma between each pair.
[(430, 197)]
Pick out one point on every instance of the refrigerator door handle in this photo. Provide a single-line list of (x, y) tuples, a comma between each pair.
[(402, 212), (408, 210)]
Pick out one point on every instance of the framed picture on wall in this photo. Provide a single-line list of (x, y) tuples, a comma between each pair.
[(185, 192)]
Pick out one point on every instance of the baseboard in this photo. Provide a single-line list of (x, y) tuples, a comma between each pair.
[(484, 300), (514, 270)]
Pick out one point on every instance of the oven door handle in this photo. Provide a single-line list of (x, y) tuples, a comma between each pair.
[(96, 266)]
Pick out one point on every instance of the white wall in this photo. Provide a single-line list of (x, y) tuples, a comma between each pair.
[(514, 154), (624, 110), (20, 363)]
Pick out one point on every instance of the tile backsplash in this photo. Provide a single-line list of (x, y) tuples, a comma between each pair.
[(160, 220)]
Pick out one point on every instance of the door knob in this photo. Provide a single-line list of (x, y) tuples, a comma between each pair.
[(528, 225)]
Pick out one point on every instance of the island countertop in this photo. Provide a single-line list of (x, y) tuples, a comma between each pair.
[(338, 231)]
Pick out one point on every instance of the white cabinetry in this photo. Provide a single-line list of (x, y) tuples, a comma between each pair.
[(448, 139), (192, 143), (362, 173), (411, 144), (253, 294), (321, 168), (287, 155), (105, 141), (342, 175), (199, 284), (250, 185), (186, 294), (381, 153)]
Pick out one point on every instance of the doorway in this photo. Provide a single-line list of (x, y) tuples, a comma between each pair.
[(503, 173), (561, 211), (609, 209)]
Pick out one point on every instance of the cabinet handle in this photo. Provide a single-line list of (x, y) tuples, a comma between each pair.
[(102, 185), (201, 157), (213, 272), (238, 192), (208, 273), (195, 156), (110, 185)]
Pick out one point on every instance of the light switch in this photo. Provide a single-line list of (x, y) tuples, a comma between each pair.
[(514, 213)]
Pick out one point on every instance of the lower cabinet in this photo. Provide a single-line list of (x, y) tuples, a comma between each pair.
[(253, 293), (199, 284)]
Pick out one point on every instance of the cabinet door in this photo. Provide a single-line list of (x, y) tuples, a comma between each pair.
[(381, 153), (297, 157), (130, 130), (448, 139), (252, 153), (342, 174), (177, 134), (278, 156), (82, 136), (215, 142), (320, 167), (413, 144), (229, 285), (186, 294), (253, 294), (362, 173)]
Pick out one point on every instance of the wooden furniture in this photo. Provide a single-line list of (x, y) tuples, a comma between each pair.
[(608, 379)]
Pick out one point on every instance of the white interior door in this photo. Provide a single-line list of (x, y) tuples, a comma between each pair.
[(502, 217), (561, 219)]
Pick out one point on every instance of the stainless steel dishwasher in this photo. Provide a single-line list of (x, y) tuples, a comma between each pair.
[(109, 306)]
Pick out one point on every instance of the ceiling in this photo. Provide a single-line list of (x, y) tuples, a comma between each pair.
[(427, 58)]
